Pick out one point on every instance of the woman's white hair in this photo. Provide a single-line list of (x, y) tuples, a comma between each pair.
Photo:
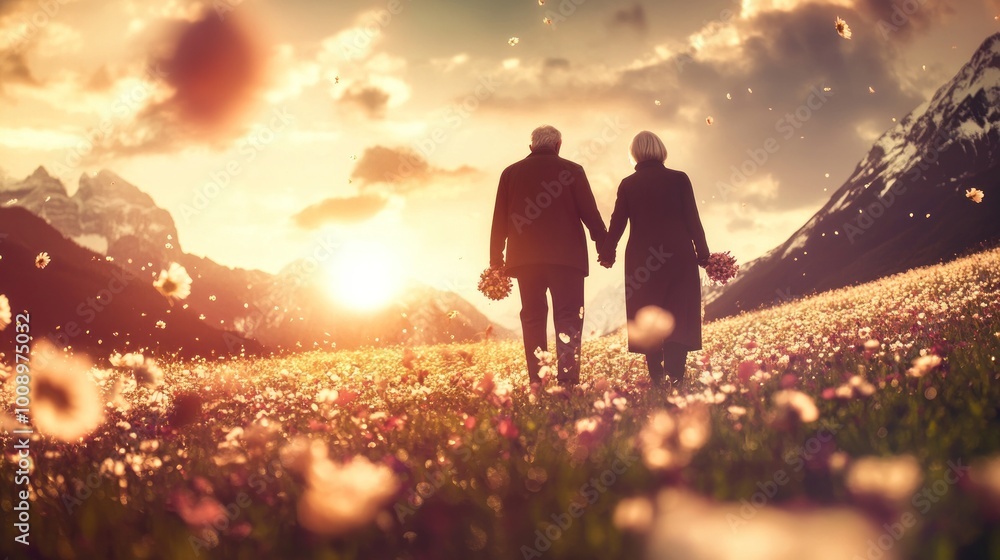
[(647, 146), (546, 136)]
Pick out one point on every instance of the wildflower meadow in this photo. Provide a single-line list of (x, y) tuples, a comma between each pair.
[(858, 423)]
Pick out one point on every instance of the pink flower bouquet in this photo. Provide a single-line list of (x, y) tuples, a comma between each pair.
[(721, 267)]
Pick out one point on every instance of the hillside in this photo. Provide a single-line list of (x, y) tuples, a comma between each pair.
[(83, 301), (904, 205), (826, 415)]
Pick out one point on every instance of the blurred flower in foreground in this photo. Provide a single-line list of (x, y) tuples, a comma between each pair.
[(42, 260), (891, 480), (513, 41), (634, 514), (341, 497), (985, 478), (974, 195), (145, 370), (174, 282), (65, 402), (689, 527), (670, 440), (796, 404), (709, 121), (924, 365), (843, 29), (651, 325), (4, 312), (197, 510)]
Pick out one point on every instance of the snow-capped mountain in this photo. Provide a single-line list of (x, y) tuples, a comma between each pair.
[(904, 206), (81, 300), (905, 203), (105, 213), (289, 310)]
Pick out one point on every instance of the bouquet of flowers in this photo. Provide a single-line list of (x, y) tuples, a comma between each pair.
[(721, 267), (495, 284)]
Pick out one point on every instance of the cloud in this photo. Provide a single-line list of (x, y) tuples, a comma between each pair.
[(8, 7), (216, 68), (345, 210), (556, 64), (201, 90), (783, 57), (372, 100), (14, 70), (401, 170), (896, 18), (633, 18), (100, 80)]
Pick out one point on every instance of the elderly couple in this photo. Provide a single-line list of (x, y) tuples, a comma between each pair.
[(542, 204)]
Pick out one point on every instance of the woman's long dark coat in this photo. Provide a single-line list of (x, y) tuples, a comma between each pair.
[(666, 243)]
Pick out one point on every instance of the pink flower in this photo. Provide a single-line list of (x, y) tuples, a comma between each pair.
[(721, 267)]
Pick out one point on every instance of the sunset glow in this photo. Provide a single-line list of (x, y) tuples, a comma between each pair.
[(364, 276)]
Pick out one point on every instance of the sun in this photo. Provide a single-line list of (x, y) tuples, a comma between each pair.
[(364, 276)]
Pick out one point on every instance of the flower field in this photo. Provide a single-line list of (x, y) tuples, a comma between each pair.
[(860, 423)]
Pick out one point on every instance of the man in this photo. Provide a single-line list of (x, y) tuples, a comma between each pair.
[(542, 203)]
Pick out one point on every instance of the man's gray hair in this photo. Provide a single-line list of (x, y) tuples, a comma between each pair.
[(546, 137)]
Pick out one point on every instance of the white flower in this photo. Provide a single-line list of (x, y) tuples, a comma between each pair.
[(65, 401), (145, 370), (797, 403), (843, 29), (174, 282), (893, 479), (650, 327), (587, 425), (342, 497), (634, 514), (974, 195), (42, 260), (924, 365), (670, 440)]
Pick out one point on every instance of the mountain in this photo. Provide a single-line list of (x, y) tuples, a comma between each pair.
[(904, 205), (287, 311), (298, 314), (83, 301)]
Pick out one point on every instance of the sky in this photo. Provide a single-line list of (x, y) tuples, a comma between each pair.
[(269, 129)]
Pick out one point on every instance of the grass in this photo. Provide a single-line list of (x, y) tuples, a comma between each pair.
[(474, 464)]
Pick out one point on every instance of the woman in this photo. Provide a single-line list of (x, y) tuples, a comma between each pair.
[(665, 247)]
